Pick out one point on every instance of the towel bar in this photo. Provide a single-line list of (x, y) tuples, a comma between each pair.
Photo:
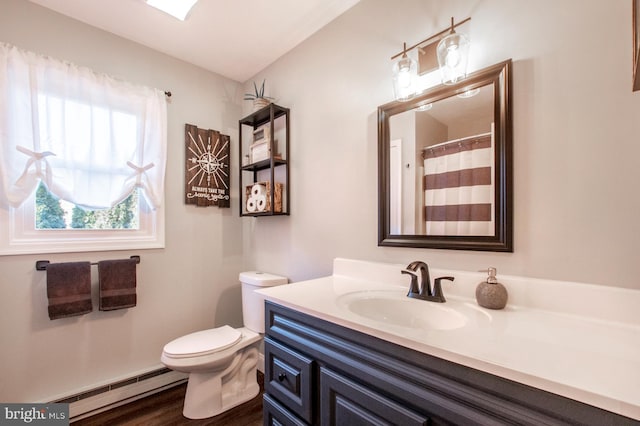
[(41, 265)]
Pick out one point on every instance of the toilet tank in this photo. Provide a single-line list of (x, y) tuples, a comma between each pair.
[(252, 302)]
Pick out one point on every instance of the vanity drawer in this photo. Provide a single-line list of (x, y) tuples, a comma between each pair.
[(289, 378), (276, 415)]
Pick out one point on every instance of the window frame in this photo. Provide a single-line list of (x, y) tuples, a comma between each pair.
[(22, 237)]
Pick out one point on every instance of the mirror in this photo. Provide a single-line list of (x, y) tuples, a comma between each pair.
[(445, 166)]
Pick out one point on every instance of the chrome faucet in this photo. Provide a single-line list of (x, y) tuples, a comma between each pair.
[(424, 291)]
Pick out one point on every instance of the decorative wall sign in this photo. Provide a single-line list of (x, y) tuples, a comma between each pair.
[(206, 167)]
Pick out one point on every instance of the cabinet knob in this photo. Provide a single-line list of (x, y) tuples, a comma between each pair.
[(282, 376)]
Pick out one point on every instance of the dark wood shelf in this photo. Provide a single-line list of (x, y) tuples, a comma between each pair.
[(257, 214), (263, 165), (263, 115)]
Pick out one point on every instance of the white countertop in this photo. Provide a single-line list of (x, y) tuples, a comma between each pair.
[(586, 358)]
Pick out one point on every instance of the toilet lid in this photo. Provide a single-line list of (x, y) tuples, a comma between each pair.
[(203, 342)]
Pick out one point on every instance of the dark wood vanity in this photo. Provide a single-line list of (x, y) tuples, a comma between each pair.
[(320, 373)]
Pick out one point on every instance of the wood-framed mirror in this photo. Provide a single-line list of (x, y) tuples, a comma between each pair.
[(445, 166)]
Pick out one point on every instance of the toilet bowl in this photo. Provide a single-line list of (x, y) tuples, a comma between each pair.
[(222, 361)]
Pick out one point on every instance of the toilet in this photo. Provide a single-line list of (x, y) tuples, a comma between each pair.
[(222, 361)]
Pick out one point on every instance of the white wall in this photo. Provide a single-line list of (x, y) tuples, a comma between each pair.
[(576, 137), (190, 285)]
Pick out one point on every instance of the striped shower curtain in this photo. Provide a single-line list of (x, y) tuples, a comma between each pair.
[(458, 187)]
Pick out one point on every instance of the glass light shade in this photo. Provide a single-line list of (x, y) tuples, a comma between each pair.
[(405, 76), (453, 55), (469, 93)]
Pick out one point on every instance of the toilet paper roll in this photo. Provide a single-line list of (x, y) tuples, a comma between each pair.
[(258, 189), (252, 206), (261, 202)]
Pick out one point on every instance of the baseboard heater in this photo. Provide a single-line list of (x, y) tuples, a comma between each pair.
[(106, 397)]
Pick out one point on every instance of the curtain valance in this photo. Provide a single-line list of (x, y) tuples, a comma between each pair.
[(89, 137)]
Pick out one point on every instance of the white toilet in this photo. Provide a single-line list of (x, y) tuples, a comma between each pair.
[(222, 361)]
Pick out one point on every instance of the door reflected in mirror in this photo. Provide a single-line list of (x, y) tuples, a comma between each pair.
[(445, 166)]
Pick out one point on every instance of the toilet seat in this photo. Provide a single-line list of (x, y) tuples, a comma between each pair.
[(203, 343)]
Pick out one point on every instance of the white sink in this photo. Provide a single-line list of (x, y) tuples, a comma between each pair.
[(394, 308)]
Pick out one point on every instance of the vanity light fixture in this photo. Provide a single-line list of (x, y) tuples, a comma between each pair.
[(405, 74), (452, 56), (176, 8)]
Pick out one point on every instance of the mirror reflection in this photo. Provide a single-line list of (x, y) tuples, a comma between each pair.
[(445, 166), (441, 166)]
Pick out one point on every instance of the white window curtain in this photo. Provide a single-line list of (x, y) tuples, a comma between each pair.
[(89, 137)]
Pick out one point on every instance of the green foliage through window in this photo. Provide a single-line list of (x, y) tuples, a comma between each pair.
[(49, 212), (53, 213)]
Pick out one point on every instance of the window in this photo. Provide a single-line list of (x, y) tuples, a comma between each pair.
[(82, 158), (53, 213)]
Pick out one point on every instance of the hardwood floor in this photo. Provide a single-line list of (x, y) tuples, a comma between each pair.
[(165, 408)]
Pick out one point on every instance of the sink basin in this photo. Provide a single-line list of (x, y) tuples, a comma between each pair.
[(395, 308)]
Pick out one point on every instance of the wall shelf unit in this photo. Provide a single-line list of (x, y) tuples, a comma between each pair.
[(264, 162)]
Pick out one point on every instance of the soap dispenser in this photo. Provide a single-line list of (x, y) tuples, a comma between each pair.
[(490, 293)]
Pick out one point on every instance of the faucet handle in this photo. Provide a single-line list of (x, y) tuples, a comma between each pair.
[(437, 287)]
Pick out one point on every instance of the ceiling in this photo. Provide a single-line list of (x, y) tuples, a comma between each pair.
[(234, 38)]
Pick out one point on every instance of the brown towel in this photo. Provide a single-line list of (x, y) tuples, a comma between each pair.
[(69, 289), (117, 284)]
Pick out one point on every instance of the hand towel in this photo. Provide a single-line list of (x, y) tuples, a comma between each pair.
[(69, 289), (117, 284)]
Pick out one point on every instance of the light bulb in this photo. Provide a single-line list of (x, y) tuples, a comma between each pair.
[(404, 78), (453, 53), (453, 56)]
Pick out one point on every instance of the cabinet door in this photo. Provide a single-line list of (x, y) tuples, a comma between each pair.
[(289, 378), (277, 415), (345, 402)]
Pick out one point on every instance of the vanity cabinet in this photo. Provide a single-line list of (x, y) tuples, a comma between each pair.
[(320, 373), (264, 160)]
